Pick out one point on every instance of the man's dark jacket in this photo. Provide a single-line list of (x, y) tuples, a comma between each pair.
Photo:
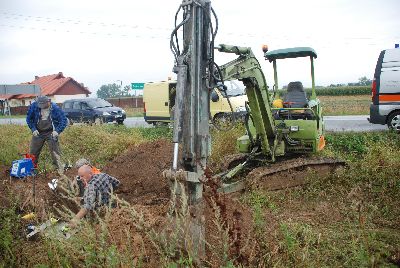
[(56, 114)]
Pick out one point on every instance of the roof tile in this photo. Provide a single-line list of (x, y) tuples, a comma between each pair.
[(50, 84)]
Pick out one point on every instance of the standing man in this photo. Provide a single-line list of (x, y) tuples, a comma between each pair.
[(46, 121), (98, 190)]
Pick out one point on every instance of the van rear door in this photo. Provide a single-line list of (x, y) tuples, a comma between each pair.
[(156, 98), (390, 77), (386, 86)]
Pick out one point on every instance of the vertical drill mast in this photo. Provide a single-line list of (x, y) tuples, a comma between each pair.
[(191, 118)]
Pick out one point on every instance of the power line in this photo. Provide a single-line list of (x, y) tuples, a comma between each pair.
[(227, 35), (55, 30), (16, 16)]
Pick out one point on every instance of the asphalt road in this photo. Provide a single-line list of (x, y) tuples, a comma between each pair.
[(357, 123)]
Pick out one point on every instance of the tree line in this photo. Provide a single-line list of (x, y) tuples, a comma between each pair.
[(113, 91), (362, 81), (117, 91)]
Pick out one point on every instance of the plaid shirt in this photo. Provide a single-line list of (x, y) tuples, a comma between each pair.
[(98, 190)]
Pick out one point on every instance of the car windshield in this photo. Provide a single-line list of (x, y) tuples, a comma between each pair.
[(234, 88), (98, 103)]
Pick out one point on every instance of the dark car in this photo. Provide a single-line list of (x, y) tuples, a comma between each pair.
[(92, 110)]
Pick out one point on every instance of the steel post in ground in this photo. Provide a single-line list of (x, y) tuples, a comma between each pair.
[(34, 192)]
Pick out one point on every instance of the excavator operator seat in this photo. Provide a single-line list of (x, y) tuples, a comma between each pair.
[(296, 96)]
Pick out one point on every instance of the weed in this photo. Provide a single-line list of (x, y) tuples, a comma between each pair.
[(259, 201), (9, 224), (156, 133), (224, 143), (14, 141), (134, 112)]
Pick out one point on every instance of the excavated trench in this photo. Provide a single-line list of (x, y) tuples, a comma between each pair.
[(140, 171)]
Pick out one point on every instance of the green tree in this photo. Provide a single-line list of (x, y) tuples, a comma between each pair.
[(364, 81), (126, 91), (109, 91)]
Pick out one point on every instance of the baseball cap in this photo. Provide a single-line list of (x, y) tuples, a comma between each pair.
[(42, 101)]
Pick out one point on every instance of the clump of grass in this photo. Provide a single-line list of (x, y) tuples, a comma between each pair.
[(224, 143), (156, 133), (99, 143), (259, 201), (134, 112), (298, 242), (14, 141), (9, 240)]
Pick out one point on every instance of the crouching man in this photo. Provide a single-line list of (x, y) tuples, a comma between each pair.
[(98, 189)]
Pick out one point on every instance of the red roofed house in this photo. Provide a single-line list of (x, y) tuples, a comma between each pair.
[(56, 86)]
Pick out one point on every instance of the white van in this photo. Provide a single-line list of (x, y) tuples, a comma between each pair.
[(159, 99), (385, 105)]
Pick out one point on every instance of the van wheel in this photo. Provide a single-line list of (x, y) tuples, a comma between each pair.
[(394, 121)]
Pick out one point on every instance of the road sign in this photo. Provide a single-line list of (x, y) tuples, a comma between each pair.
[(137, 86)]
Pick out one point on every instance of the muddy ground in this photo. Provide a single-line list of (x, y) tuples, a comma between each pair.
[(140, 171), (139, 228)]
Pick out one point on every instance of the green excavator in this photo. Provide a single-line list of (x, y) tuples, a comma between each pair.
[(275, 127)]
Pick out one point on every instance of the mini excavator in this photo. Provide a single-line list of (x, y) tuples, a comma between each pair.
[(275, 128)]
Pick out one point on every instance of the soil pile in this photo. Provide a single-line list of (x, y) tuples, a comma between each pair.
[(139, 170)]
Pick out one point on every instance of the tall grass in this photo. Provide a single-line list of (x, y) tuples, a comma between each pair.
[(9, 240), (349, 218), (98, 143), (224, 143)]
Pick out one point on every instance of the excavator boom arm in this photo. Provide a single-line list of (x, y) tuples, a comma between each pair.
[(247, 69)]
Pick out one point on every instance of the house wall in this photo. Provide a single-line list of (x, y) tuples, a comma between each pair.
[(62, 98), (71, 88), (21, 102)]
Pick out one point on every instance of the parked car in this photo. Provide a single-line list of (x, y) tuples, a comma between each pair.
[(92, 110)]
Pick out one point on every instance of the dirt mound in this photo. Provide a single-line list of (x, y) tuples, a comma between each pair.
[(140, 171)]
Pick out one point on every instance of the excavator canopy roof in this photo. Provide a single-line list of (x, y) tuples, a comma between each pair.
[(293, 52)]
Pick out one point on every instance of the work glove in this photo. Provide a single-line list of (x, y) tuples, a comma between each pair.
[(35, 133), (54, 134)]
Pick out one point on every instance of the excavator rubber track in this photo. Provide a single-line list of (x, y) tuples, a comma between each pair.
[(283, 174)]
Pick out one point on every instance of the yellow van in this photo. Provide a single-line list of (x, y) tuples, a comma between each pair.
[(159, 98)]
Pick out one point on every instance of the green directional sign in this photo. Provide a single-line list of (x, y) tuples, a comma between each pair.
[(137, 86)]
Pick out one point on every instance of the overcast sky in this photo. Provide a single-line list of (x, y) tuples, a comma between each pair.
[(102, 42)]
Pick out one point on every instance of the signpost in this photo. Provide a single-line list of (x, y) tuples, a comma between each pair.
[(137, 86)]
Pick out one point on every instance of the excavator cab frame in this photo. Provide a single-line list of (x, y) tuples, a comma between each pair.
[(305, 118)]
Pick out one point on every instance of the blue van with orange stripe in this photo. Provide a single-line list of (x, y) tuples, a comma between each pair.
[(385, 105)]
